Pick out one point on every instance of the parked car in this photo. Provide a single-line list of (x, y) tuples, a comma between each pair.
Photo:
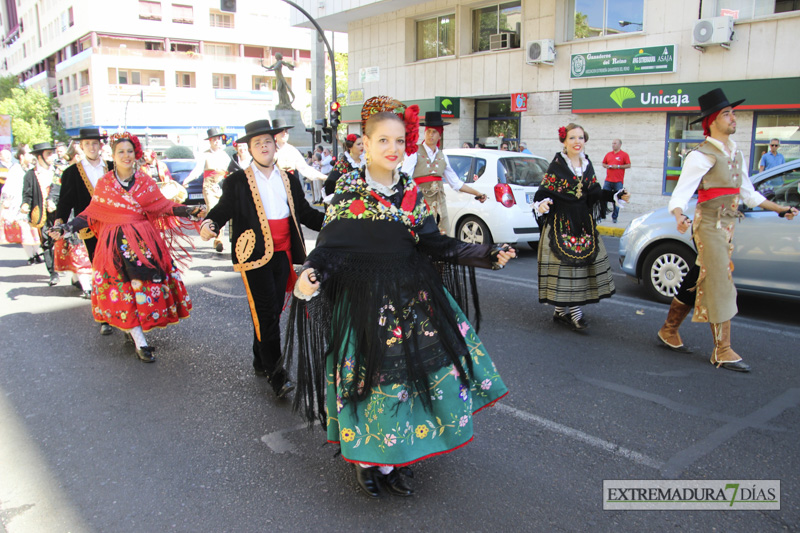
[(180, 168), (766, 253), (510, 180)]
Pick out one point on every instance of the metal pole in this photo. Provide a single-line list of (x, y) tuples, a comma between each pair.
[(334, 143)]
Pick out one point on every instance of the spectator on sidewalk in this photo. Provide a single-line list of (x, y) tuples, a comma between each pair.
[(771, 158), (615, 162)]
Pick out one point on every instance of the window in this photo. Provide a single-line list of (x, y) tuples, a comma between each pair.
[(66, 84), (494, 20), (495, 122), (87, 112), (681, 138), (183, 47), (217, 49), (524, 171), (254, 51), (68, 116), (221, 20), (184, 79), (596, 18), (60, 87), (264, 83), (84, 78), (436, 37), (182, 14), (74, 82), (785, 127), (747, 9), (122, 77), (149, 10), (136, 77), (154, 45), (223, 81), (76, 116)]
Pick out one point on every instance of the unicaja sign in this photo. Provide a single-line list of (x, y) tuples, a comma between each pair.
[(677, 99)]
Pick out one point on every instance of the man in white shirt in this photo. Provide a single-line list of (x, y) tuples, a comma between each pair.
[(716, 170), (266, 206), (430, 166), (288, 157)]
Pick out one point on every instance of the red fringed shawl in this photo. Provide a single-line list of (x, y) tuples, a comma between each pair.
[(143, 215)]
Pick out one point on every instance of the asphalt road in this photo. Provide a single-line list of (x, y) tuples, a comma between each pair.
[(93, 440)]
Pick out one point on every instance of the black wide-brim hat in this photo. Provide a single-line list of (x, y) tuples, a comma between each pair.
[(713, 101), (38, 148), (259, 127), (433, 118), (281, 124), (91, 134), (215, 132)]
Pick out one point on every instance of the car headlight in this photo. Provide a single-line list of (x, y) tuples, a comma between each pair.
[(635, 223)]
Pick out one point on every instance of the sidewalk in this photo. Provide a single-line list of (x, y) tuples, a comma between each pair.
[(608, 227)]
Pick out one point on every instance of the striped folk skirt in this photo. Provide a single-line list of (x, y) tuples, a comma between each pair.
[(565, 285)]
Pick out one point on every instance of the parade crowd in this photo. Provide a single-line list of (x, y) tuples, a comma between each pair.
[(386, 357)]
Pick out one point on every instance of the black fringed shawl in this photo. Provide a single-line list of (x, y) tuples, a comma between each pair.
[(577, 202), (382, 298)]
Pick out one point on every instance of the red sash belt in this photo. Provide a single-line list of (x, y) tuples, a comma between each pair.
[(704, 195), (213, 173), (427, 179), (282, 241)]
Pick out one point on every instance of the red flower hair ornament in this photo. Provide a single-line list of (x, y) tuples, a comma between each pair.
[(138, 153), (562, 134), (410, 116), (352, 138)]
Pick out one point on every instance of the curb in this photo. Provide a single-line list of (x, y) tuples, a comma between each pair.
[(613, 231)]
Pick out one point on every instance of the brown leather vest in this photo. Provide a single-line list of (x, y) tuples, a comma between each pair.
[(726, 172)]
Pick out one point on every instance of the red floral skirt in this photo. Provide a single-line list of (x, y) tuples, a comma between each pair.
[(71, 257), (144, 303)]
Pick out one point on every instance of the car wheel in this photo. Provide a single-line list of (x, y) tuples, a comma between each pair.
[(473, 230), (664, 268)]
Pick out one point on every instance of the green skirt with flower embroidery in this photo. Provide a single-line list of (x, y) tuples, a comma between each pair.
[(392, 426)]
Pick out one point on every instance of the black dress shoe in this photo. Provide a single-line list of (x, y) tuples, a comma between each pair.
[(145, 353), (53, 279), (87, 295), (38, 258), (567, 320), (105, 329), (286, 386), (260, 372), (736, 366), (396, 483), (31, 260), (367, 479)]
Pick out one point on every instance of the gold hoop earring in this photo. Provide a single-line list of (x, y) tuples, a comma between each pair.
[(369, 159)]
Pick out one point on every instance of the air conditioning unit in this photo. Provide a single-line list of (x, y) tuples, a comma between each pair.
[(712, 31), (541, 51), (503, 40)]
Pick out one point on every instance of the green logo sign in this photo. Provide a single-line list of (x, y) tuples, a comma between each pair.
[(632, 61)]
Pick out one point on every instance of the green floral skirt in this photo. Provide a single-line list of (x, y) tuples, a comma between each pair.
[(392, 426)]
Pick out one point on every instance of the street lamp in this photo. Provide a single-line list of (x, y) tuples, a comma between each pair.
[(624, 23), (141, 98)]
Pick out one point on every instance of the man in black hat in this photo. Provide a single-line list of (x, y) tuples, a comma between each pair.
[(265, 206), (36, 186), (717, 171), (429, 166), (213, 165)]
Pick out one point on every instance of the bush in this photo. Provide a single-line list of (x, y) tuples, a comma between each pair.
[(178, 152)]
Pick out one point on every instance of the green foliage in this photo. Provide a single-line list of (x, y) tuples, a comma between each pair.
[(582, 29), (178, 152), (341, 62), (34, 113)]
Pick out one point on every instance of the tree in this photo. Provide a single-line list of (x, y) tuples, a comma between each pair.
[(340, 60), (582, 29), (34, 113)]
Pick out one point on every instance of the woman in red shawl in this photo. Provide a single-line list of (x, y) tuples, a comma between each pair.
[(136, 285)]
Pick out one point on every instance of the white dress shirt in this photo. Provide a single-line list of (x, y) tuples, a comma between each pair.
[(289, 158), (696, 165), (272, 192), (94, 171), (327, 164), (450, 175)]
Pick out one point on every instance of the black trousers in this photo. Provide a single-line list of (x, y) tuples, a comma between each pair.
[(267, 289), (47, 245), (685, 294)]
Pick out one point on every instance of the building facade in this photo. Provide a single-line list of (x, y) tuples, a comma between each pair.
[(164, 69), (627, 69)]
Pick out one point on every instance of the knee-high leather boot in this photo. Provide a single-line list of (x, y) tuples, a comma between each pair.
[(723, 355), (668, 334)]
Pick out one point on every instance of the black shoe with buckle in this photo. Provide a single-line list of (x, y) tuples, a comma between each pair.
[(367, 479), (105, 329), (145, 353), (53, 279), (396, 482), (38, 258)]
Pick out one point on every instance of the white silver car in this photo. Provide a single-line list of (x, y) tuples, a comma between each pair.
[(509, 179), (766, 248)]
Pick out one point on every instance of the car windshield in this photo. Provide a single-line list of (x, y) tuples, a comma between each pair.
[(525, 171), (463, 167), (783, 188)]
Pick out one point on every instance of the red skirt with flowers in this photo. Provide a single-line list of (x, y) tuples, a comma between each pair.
[(145, 303), (71, 256)]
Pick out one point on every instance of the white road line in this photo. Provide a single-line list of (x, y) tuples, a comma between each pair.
[(575, 434)]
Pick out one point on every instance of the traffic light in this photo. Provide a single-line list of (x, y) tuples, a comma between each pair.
[(327, 135), (334, 115)]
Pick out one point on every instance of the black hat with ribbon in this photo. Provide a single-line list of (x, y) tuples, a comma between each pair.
[(215, 132), (432, 119), (38, 148), (91, 134), (259, 127), (280, 124), (713, 101)]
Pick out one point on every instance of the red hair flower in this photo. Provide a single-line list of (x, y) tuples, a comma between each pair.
[(137, 146), (562, 134), (352, 138)]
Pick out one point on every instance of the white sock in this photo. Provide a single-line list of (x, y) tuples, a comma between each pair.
[(576, 313), (561, 310), (138, 337), (86, 281), (383, 469)]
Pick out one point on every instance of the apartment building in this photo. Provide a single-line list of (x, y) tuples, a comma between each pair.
[(164, 69), (630, 69)]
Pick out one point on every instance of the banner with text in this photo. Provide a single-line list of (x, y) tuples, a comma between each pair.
[(650, 60)]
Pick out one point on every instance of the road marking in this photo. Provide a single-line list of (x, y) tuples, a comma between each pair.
[(578, 435), (280, 444), (673, 468), (224, 295)]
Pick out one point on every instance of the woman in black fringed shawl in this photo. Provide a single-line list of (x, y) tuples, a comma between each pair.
[(384, 350), (573, 264)]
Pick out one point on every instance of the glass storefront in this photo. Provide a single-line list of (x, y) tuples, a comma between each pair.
[(782, 126), (495, 123), (681, 138)]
